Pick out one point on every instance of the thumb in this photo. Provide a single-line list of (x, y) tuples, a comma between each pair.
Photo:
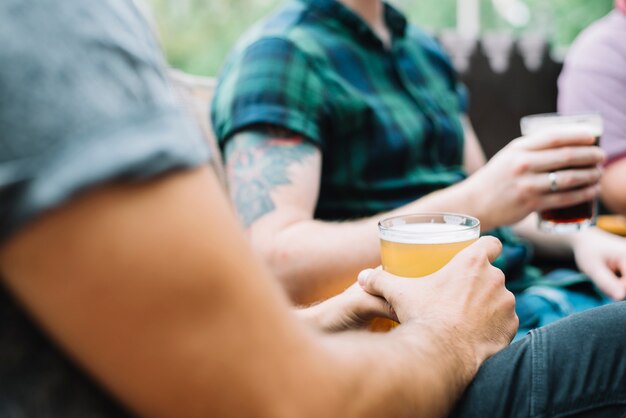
[(376, 282), (490, 245)]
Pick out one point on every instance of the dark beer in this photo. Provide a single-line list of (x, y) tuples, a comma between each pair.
[(583, 213), (580, 213), (579, 216)]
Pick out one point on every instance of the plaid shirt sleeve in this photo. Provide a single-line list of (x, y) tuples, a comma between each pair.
[(269, 82)]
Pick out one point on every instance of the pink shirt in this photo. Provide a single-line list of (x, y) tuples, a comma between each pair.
[(594, 79)]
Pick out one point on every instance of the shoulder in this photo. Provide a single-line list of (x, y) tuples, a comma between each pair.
[(601, 44), (274, 49), (286, 29)]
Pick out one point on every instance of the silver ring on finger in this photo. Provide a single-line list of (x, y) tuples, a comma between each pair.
[(554, 187)]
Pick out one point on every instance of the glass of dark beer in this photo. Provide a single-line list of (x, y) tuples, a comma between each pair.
[(583, 215)]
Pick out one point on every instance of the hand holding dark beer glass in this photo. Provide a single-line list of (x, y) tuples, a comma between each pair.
[(581, 215)]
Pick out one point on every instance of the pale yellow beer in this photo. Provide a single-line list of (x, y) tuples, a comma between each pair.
[(418, 245), (417, 260)]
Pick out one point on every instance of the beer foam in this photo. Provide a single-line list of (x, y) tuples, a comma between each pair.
[(562, 124), (428, 233), (594, 130)]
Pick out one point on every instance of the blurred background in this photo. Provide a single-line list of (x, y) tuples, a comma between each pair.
[(197, 34), (509, 53)]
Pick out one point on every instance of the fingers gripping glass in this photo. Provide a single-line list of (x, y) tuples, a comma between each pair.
[(579, 216), (420, 244)]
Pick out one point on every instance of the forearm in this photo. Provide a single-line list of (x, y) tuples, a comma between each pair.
[(545, 244), (316, 259), (442, 367), (183, 323), (313, 259), (464, 197)]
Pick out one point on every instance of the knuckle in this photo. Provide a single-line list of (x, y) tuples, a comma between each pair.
[(499, 277), (521, 165), (476, 258), (510, 300), (495, 283), (568, 156)]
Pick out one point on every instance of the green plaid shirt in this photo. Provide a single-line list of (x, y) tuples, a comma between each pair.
[(386, 120)]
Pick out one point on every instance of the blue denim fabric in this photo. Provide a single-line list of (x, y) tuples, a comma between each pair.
[(543, 304), (573, 368)]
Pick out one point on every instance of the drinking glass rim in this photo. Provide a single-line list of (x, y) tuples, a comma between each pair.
[(462, 228), (561, 114), (555, 120), (565, 117)]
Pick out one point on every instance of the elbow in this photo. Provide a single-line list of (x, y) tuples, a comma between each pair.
[(302, 272), (294, 271), (282, 259), (294, 278)]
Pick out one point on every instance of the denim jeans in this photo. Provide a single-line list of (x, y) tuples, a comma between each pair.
[(574, 367), (541, 305)]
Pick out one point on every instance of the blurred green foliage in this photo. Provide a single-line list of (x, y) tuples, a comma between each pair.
[(197, 34)]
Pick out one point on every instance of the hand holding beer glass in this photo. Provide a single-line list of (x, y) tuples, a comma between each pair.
[(580, 216), (417, 245)]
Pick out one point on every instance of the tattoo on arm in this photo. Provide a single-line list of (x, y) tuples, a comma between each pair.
[(257, 161)]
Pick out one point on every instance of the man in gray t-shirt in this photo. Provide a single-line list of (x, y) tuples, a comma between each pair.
[(65, 128)]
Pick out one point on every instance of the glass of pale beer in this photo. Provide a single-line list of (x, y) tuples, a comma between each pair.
[(419, 244), (582, 215)]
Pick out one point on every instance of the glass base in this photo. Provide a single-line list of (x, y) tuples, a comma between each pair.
[(565, 227)]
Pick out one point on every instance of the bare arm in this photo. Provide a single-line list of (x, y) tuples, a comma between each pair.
[(351, 309), (613, 194), (600, 255), (152, 289), (545, 244), (274, 178)]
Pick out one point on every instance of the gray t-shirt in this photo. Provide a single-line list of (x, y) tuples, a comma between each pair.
[(83, 101)]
